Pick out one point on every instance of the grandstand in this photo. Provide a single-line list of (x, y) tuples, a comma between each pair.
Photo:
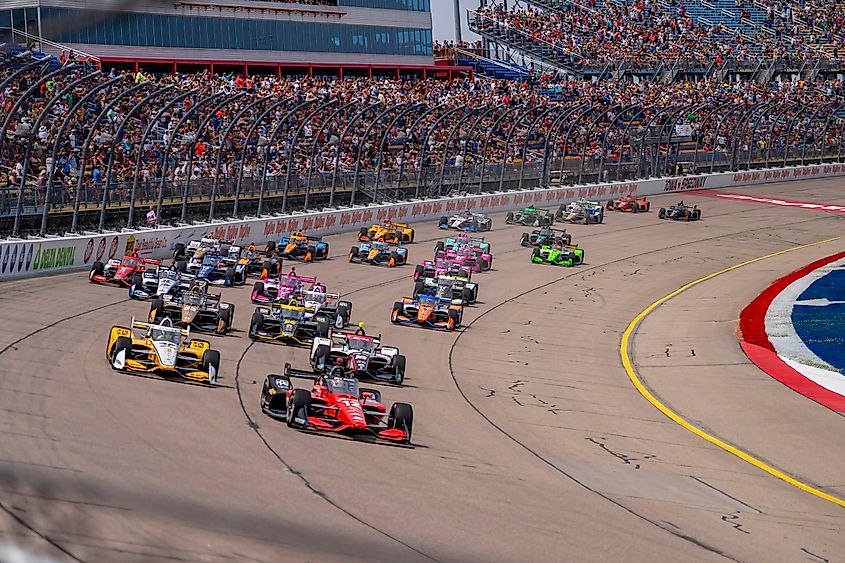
[(89, 145)]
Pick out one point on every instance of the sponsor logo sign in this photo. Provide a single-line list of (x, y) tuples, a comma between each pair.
[(51, 258)]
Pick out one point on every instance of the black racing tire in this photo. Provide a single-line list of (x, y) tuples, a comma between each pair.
[(509, 218), (453, 314), (122, 343), (609, 205), (181, 266), (255, 324), (661, 213), (418, 271), (444, 220), (535, 253), (466, 295), (259, 287), (419, 287), (224, 321), (156, 310), (230, 273), (394, 259), (402, 417), (635, 207), (270, 246), (178, 250), (363, 233), (322, 356), (696, 214), (485, 265), (398, 369), (344, 311), (267, 266), (353, 253), (323, 325), (299, 403), (97, 268), (410, 237), (397, 309), (525, 240), (210, 358), (440, 245), (312, 250), (137, 281)]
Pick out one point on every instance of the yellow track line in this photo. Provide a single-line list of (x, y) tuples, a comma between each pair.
[(632, 374)]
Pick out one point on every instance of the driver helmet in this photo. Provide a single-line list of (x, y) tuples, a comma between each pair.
[(361, 325)]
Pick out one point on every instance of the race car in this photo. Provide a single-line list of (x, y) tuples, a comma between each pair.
[(335, 403), (217, 269), (379, 253), (328, 305), (303, 247), (194, 308), (632, 203), (530, 217), (120, 271), (582, 211), (289, 324), (387, 232), (680, 212), (466, 256), (161, 281), (428, 311), (283, 288), (162, 349), (467, 221), (359, 355), (464, 239), (442, 267), (448, 287), (558, 255), (181, 251), (545, 236), (261, 263)]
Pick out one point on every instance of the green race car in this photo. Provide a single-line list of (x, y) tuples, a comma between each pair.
[(545, 236), (531, 217), (558, 255)]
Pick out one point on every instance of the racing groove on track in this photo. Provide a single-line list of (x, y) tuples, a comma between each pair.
[(193, 485)]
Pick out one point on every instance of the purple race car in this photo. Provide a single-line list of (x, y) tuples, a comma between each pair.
[(283, 288)]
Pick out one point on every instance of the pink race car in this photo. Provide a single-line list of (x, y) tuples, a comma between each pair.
[(480, 247), (127, 271), (284, 288), (471, 256), (442, 267)]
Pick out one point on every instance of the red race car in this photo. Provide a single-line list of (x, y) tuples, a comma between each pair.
[(126, 271), (335, 403), (632, 203)]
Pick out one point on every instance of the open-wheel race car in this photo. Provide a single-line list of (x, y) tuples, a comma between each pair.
[(467, 221), (530, 217), (162, 349), (428, 311), (335, 403), (158, 282), (558, 255), (124, 271), (300, 246), (182, 251), (680, 212), (545, 236), (442, 267), (453, 288), (194, 308), (216, 268), (388, 231), (582, 211), (463, 239), (283, 288), (289, 324), (630, 202), (361, 356), (381, 253), (320, 303)]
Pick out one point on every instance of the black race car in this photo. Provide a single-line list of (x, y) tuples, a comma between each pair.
[(680, 212)]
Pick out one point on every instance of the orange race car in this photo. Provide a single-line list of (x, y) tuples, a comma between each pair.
[(632, 203), (387, 232)]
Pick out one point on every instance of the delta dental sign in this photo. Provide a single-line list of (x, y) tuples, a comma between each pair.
[(19, 259)]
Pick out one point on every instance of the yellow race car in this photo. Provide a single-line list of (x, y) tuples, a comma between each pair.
[(387, 232), (162, 349)]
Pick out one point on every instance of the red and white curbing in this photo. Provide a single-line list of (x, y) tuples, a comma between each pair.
[(769, 339)]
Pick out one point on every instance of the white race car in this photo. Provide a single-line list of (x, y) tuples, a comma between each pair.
[(467, 221), (360, 355), (157, 283), (328, 305)]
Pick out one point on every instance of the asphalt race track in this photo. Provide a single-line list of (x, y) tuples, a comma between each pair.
[(532, 444)]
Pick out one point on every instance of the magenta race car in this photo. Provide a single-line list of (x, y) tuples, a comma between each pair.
[(471, 256), (442, 267), (283, 288)]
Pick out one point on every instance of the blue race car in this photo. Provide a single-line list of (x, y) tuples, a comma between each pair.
[(379, 253), (217, 270), (300, 246)]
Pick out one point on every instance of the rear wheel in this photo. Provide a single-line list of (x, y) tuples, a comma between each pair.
[(353, 252), (156, 310), (270, 246), (535, 253), (224, 321), (440, 245), (418, 272), (120, 352), (210, 364), (454, 319), (258, 288), (509, 218), (323, 327), (466, 295), (394, 259), (265, 269), (635, 207), (299, 404), (181, 266), (178, 250), (255, 325), (344, 312), (322, 356), (609, 205), (397, 310), (419, 287), (310, 253), (661, 213), (444, 221), (401, 417), (398, 369), (526, 240)]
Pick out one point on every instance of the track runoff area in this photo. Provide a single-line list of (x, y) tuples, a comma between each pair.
[(536, 435)]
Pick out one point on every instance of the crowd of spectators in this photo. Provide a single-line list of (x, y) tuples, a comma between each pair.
[(642, 33), (825, 20), (169, 130)]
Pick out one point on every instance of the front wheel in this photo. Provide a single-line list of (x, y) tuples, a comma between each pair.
[(120, 352), (299, 404), (210, 364), (401, 417)]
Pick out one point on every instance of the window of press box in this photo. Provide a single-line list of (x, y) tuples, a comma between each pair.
[(412, 5), (153, 30)]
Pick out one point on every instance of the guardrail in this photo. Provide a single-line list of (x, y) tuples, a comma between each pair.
[(38, 256)]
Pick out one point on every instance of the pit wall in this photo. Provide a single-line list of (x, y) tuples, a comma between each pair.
[(36, 256)]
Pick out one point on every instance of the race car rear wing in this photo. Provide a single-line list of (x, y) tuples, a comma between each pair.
[(184, 332), (334, 296), (304, 373)]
